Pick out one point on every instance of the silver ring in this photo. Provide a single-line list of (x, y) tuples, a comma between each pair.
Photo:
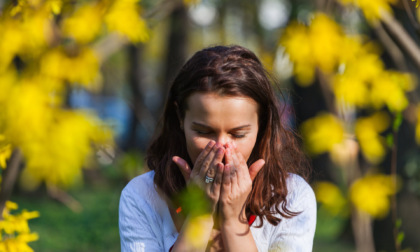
[(209, 179)]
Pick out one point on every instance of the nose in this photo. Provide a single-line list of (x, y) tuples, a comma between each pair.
[(222, 139)]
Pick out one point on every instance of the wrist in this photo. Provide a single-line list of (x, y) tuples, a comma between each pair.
[(234, 224)]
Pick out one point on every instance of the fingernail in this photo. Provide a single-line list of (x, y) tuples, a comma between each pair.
[(211, 143)]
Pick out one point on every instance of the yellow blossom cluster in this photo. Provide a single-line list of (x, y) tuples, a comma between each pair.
[(121, 16), (322, 133), (371, 194), (368, 131), (15, 231), (372, 10), (59, 141), (326, 133), (46, 46), (27, 36), (306, 47), (29, 28), (84, 67), (331, 198), (355, 70)]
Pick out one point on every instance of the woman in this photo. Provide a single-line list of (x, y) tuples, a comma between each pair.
[(221, 132)]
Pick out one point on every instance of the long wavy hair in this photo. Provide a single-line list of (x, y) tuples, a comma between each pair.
[(231, 71)]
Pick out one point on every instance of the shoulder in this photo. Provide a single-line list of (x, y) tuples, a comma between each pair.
[(141, 191), (296, 233), (140, 185), (300, 194)]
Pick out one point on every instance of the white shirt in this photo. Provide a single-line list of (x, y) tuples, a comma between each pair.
[(146, 225)]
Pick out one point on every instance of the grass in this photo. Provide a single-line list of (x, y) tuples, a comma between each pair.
[(95, 228)]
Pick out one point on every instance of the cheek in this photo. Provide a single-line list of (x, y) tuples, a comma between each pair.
[(246, 148), (195, 145)]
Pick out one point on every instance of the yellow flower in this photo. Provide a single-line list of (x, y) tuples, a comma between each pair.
[(7, 79), (353, 86), (11, 205), (331, 198), (123, 18), (12, 224), (371, 194), (55, 6), (5, 153), (38, 30), (27, 104), (84, 67), (306, 47), (417, 2), (76, 25), (321, 133), (324, 31), (59, 158), (351, 90), (371, 142), (11, 42), (296, 42), (388, 89), (372, 9)]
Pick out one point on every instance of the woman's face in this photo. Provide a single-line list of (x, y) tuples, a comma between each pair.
[(223, 119)]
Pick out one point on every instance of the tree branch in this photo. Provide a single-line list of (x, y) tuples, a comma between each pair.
[(9, 178), (401, 35)]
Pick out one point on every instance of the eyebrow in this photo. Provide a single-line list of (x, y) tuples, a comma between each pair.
[(208, 127)]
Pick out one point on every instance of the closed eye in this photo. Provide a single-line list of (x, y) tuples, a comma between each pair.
[(202, 132), (238, 135)]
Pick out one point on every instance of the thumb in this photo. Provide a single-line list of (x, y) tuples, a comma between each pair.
[(183, 167), (255, 168)]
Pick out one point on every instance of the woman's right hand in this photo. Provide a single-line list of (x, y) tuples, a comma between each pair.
[(208, 163)]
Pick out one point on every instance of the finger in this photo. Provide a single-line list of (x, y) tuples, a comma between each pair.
[(215, 187), (255, 168), (228, 155), (203, 168), (238, 165), (226, 185), (183, 167), (218, 157), (204, 154), (234, 179)]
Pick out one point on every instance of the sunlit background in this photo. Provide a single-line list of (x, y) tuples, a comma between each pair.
[(82, 85)]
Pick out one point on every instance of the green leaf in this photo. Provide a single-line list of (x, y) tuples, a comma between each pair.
[(397, 121), (398, 223), (390, 140), (400, 237)]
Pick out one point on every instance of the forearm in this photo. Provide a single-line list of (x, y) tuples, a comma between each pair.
[(195, 234), (237, 236)]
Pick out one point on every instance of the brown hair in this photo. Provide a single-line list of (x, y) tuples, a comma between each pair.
[(232, 71)]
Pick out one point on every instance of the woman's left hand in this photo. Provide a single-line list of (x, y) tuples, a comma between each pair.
[(236, 185)]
